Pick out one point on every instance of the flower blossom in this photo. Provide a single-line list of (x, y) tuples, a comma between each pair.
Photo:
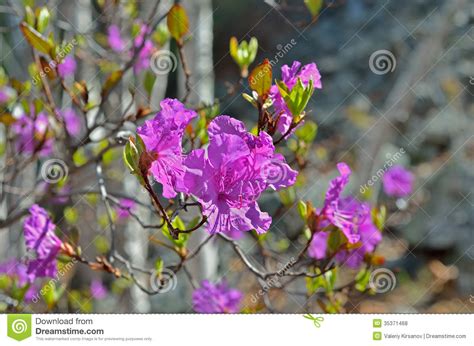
[(33, 134), (117, 44), (398, 182), (72, 121), (6, 94), (228, 177), (350, 216), (216, 298), (290, 76), (114, 38), (67, 67), (41, 240), (143, 59), (98, 290), (162, 137), (370, 237), (18, 271), (124, 207)]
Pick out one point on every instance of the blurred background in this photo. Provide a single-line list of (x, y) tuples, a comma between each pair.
[(398, 77)]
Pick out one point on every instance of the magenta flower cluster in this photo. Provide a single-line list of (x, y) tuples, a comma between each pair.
[(32, 134), (351, 217), (226, 178), (18, 271), (67, 66), (43, 244), (163, 138), (398, 182), (290, 76), (117, 44), (125, 207), (216, 298)]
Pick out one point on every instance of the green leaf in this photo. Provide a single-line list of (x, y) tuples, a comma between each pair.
[(362, 280), (159, 265), (140, 144), (71, 215), (161, 35), (178, 22), (149, 82), (234, 49), (36, 40), (249, 99), (42, 19), (314, 6), (302, 209), (131, 156), (101, 244), (287, 196), (182, 237), (52, 293), (79, 157), (30, 17), (260, 79), (307, 132), (244, 53), (335, 240), (252, 49), (111, 82), (379, 216), (313, 284), (297, 98), (331, 277)]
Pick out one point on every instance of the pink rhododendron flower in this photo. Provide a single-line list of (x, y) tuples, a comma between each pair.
[(143, 60), (114, 39), (216, 298), (229, 176), (319, 245), (163, 136), (6, 94), (138, 40), (339, 213), (398, 182), (370, 237), (125, 206), (32, 134), (98, 290), (72, 121), (18, 271), (3, 96), (41, 240), (290, 77), (67, 67), (349, 215), (63, 191)]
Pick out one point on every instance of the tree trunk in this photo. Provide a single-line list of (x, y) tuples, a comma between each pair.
[(198, 54)]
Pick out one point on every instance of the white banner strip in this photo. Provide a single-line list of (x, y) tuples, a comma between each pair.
[(209, 330)]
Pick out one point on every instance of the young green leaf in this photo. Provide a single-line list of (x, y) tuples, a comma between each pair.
[(178, 22), (314, 6), (36, 40), (243, 54), (111, 81), (302, 209), (260, 79), (307, 132), (42, 19)]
